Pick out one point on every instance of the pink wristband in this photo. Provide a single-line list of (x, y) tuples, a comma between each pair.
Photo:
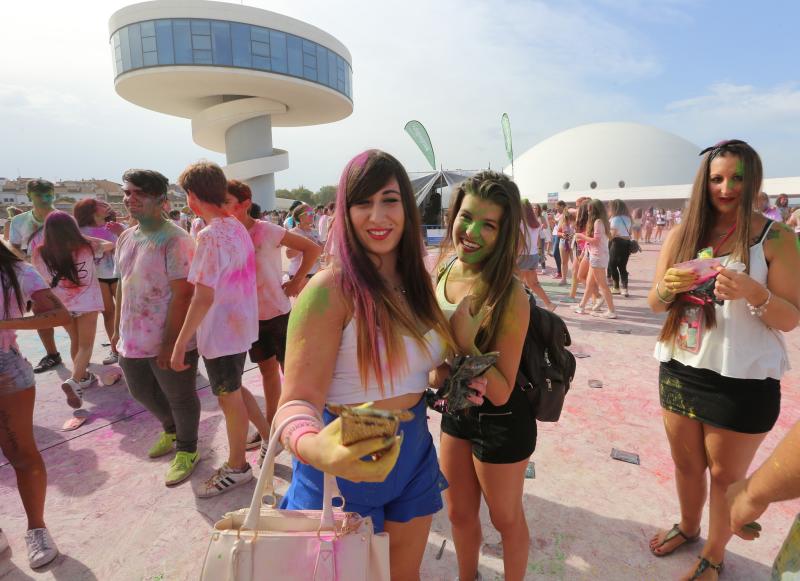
[(294, 438)]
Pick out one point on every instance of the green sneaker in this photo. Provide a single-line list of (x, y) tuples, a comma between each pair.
[(181, 467), (163, 446)]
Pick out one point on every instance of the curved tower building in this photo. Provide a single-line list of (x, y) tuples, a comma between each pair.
[(235, 71)]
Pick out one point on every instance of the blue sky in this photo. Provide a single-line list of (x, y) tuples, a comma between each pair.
[(701, 69)]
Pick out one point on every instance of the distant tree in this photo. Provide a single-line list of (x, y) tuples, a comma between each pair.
[(66, 199), (303, 194), (325, 195), (283, 193)]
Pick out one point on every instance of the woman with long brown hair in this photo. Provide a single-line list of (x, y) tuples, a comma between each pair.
[(371, 326), (484, 452), (722, 356), (581, 268), (19, 285), (92, 216), (596, 238), (529, 259), (65, 259), (782, 203)]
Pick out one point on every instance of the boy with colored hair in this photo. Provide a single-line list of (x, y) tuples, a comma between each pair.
[(223, 313), (25, 233)]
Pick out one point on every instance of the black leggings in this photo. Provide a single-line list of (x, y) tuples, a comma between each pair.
[(619, 254)]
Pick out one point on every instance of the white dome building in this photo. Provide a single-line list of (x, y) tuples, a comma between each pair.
[(608, 160)]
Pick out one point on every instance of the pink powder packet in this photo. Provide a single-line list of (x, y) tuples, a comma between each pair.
[(704, 268)]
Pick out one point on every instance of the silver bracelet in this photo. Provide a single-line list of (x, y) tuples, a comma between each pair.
[(762, 308)]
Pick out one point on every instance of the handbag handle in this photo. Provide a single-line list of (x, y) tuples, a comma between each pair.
[(265, 481)]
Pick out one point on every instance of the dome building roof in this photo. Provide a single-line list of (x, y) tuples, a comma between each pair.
[(604, 156)]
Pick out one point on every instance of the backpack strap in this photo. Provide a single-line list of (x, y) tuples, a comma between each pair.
[(444, 268)]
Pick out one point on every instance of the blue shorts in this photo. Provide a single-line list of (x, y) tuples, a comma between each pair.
[(413, 488)]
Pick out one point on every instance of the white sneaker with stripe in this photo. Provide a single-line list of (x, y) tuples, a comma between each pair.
[(223, 480)]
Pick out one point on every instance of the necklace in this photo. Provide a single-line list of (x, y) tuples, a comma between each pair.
[(398, 288)]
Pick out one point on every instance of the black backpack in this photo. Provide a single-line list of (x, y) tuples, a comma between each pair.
[(546, 367)]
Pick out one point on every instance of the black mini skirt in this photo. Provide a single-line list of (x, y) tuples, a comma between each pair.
[(749, 406)]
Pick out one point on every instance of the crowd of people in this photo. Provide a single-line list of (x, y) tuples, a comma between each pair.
[(360, 302)]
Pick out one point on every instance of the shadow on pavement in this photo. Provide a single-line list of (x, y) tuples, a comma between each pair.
[(574, 544)]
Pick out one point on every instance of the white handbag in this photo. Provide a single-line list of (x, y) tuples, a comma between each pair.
[(264, 542)]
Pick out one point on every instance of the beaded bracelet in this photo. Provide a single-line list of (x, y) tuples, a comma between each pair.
[(294, 431), (762, 308), (295, 439)]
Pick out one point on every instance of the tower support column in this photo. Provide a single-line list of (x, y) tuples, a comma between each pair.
[(249, 140)]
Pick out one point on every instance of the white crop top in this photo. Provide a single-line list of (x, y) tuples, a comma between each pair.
[(346, 386), (740, 345)]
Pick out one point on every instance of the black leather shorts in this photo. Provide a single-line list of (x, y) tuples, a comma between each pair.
[(499, 434)]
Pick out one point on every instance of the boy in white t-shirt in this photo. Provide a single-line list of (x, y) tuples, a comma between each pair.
[(223, 312), (25, 233), (273, 297)]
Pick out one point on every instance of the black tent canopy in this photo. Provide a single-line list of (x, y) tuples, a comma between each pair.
[(428, 182)]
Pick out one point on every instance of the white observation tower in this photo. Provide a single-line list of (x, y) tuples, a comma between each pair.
[(235, 71)]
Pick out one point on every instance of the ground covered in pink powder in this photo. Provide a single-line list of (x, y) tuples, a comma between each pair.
[(590, 516)]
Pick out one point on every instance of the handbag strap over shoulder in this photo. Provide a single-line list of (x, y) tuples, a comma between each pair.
[(265, 483)]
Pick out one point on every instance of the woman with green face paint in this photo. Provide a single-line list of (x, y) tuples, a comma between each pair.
[(489, 311), (722, 353)]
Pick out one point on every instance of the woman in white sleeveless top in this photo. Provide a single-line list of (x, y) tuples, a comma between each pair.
[(721, 363), (368, 329)]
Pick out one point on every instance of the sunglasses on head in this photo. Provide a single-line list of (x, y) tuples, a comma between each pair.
[(722, 144)]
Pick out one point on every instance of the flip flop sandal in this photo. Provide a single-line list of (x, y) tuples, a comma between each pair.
[(703, 565), (674, 532), (74, 423), (750, 532)]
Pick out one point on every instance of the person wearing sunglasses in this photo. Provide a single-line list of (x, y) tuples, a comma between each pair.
[(303, 218), (721, 348), (25, 233)]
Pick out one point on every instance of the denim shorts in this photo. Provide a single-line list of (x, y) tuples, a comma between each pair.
[(413, 488), (225, 373), (528, 262), (16, 374)]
